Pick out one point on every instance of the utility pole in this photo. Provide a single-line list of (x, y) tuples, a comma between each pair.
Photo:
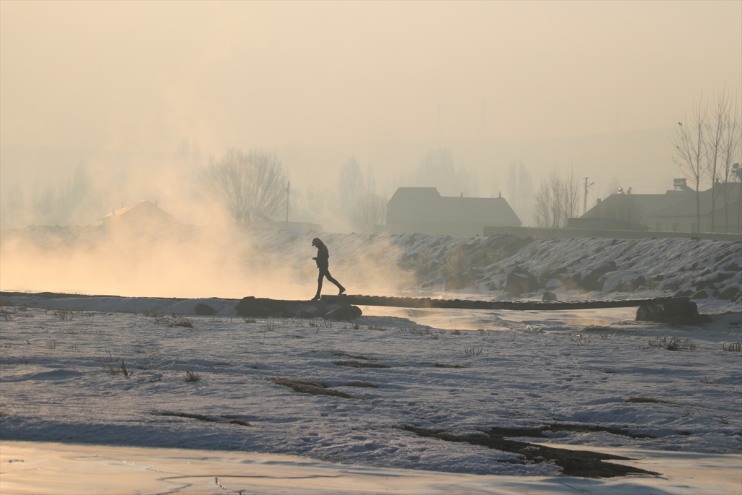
[(584, 201)]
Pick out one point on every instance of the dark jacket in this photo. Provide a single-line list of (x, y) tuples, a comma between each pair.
[(323, 256)]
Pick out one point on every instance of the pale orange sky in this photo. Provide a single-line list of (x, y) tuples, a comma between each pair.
[(142, 75), (589, 88)]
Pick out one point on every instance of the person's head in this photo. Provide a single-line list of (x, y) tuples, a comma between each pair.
[(316, 242)]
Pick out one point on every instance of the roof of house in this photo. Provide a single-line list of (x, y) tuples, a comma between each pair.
[(732, 190), (644, 203), (141, 212), (425, 204)]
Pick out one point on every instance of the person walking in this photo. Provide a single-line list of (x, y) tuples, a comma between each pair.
[(323, 262)]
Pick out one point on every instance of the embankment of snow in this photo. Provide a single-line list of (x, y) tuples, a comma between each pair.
[(265, 263)]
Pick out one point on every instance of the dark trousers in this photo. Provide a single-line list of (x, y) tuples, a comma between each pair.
[(324, 272)]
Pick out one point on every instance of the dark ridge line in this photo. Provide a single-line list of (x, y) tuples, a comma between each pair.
[(411, 302), (414, 302)]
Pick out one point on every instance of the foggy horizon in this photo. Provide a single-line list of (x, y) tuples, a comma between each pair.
[(121, 89)]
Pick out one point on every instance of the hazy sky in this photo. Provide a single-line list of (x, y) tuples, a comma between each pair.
[(143, 75)]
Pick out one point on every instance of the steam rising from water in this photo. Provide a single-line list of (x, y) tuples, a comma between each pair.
[(165, 258)]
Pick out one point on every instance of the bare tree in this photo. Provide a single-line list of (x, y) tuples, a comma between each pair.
[(439, 169), (713, 148), (64, 203), (364, 208), (730, 151), (520, 190), (350, 184), (250, 185), (706, 146), (368, 212), (571, 188), (557, 200), (690, 150)]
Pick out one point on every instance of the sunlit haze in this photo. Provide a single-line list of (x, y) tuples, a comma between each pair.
[(136, 77), (141, 96)]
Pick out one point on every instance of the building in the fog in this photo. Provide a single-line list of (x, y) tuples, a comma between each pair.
[(676, 210), (423, 210)]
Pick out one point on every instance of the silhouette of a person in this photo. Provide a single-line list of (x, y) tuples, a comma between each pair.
[(323, 262)]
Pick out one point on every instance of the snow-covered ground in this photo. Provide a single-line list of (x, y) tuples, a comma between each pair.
[(121, 379), (375, 405), (41, 468)]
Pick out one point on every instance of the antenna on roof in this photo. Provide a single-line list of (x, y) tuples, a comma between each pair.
[(584, 200)]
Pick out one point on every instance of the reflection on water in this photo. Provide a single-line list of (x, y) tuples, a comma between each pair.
[(468, 319)]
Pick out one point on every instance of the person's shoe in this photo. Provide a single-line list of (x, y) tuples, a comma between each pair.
[(316, 298), (342, 291)]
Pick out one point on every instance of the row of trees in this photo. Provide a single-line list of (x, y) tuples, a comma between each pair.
[(363, 207), (707, 145), (439, 169), (557, 200), (55, 203), (251, 185), (254, 186)]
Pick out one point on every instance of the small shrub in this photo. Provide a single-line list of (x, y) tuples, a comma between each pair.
[(320, 323), (680, 345), (473, 351), (376, 327), (191, 377), (674, 344), (117, 369), (733, 347), (420, 331), (64, 315)]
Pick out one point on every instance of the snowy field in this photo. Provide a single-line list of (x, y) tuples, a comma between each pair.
[(137, 394), (379, 405)]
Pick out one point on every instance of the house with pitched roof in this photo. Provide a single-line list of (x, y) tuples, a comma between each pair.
[(720, 211), (423, 210), (142, 215), (673, 211)]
